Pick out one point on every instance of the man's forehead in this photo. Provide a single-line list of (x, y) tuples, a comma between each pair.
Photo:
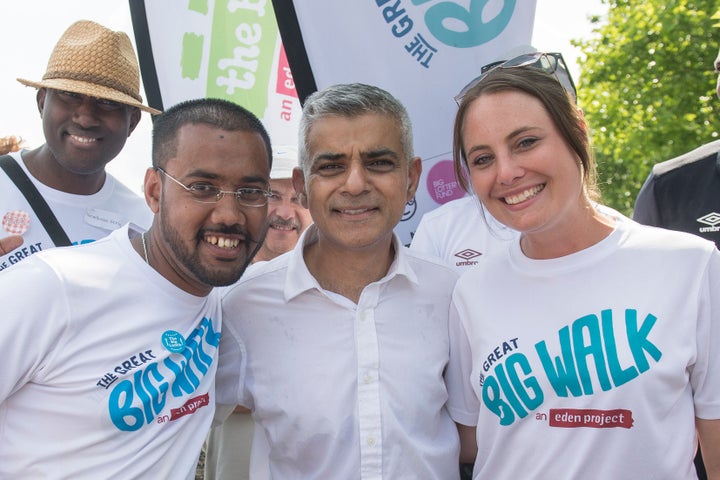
[(338, 134), (84, 95), (368, 153), (281, 184)]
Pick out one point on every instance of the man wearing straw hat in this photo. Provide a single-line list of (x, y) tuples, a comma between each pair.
[(89, 103)]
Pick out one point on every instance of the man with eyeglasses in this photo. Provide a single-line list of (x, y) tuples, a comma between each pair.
[(227, 451), (684, 194), (111, 347), (89, 103)]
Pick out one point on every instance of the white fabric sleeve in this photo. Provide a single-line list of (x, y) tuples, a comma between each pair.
[(35, 317), (705, 375), (231, 367), (463, 404)]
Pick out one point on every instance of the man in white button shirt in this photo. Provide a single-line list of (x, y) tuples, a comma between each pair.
[(343, 342)]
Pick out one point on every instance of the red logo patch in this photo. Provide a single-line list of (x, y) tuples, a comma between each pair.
[(575, 418), (190, 406)]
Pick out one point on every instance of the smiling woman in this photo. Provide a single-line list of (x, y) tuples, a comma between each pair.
[(532, 168), (594, 305)]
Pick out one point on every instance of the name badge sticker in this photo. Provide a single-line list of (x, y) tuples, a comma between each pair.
[(104, 219), (16, 222)]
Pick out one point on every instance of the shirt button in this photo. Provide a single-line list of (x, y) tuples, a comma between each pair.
[(362, 316), (367, 378), (371, 441)]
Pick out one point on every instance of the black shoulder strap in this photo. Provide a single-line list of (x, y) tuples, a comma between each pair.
[(36, 201)]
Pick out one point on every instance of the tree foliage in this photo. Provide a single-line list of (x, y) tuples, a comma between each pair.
[(647, 88)]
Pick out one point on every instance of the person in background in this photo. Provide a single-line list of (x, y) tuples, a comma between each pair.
[(111, 347), (591, 332), (343, 342), (287, 217), (227, 451), (11, 143), (461, 233), (89, 104), (684, 194)]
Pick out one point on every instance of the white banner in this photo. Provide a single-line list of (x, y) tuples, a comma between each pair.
[(227, 49), (421, 51)]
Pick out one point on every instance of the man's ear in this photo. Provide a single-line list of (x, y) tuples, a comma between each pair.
[(40, 98), (153, 189), (135, 116), (414, 172), (298, 181)]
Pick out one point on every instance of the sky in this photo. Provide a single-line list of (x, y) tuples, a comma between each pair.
[(32, 27)]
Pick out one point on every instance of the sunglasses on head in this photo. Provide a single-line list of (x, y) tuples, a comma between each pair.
[(552, 63)]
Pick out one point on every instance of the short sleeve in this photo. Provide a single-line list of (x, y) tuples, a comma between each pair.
[(705, 375), (463, 403)]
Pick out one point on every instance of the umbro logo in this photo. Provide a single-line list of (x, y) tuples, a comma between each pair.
[(469, 253), (712, 219), (467, 256)]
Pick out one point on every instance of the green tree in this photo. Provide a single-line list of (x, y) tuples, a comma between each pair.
[(647, 88)]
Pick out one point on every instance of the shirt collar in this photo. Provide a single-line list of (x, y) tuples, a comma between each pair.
[(299, 279)]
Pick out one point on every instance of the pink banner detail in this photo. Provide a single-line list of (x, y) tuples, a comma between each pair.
[(285, 83)]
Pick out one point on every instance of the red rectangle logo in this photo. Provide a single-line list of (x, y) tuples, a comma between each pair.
[(190, 406), (575, 418)]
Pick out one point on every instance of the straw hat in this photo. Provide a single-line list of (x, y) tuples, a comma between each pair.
[(285, 158), (92, 60)]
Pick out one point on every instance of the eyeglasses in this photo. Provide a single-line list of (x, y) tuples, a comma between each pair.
[(277, 198), (206, 193), (552, 63)]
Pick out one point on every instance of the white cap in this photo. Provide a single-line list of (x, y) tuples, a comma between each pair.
[(285, 158)]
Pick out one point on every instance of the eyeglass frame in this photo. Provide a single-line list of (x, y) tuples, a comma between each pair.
[(526, 60), (220, 193), (276, 198)]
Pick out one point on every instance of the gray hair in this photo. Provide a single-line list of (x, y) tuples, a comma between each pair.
[(352, 100)]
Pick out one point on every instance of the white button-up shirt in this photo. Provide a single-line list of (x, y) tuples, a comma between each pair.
[(338, 389)]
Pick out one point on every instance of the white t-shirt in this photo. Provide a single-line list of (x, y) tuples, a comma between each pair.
[(338, 389), (460, 234), (109, 368), (592, 365), (84, 218)]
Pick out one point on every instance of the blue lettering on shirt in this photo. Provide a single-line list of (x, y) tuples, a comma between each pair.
[(587, 361), (138, 400)]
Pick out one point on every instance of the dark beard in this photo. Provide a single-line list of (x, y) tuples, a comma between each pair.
[(191, 260)]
